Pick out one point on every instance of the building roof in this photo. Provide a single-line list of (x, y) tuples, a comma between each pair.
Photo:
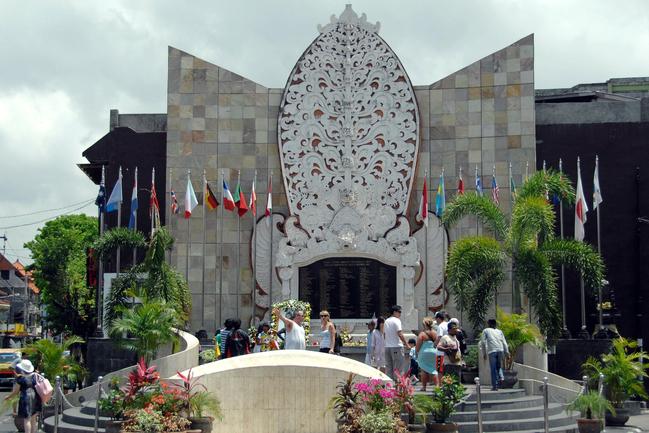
[(16, 276)]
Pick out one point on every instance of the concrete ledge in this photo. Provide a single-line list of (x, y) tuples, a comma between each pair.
[(561, 389)]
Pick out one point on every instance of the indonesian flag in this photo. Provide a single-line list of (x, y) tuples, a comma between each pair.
[(269, 200), (253, 199), (240, 200), (154, 206), (190, 199), (580, 208), (228, 201), (460, 184), (422, 215)]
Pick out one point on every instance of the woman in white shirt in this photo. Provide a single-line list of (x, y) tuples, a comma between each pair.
[(378, 345)]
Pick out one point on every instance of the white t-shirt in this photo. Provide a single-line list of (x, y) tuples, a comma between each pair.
[(392, 327), (443, 329), (295, 338)]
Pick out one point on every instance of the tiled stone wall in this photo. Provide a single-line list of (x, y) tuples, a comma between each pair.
[(219, 122), (482, 115)]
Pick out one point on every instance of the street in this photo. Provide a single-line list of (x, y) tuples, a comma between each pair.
[(6, 421)]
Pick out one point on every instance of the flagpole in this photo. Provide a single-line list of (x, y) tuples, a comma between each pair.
[(238, 247), (189, 240), (477, 220), (511, 211), (270, 226), (443, 248), (100, 279), (599, 247), (203, 267), (426, 248), (584, 332), (168, 209), (428, 179), (119, 223), (253, 200), (495, 183), (221, 252), (564, 331), (152, 186), (135, 216)]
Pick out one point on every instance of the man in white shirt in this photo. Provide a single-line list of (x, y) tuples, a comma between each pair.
[(494, 345), (394, 343), (295, 336), (442, 324)]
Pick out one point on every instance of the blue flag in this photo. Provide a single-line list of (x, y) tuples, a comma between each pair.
[(132, 218), (115, 198), (440, 199)]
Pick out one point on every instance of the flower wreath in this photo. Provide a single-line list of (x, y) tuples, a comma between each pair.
[(291, 306)]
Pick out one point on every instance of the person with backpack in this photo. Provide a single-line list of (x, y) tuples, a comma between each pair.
[(327, 333), (238, 341), (29, 403)]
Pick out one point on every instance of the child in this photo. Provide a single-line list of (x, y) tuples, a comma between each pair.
[(414, 367)]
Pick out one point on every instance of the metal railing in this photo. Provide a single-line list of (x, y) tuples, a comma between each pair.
[(478, 399), (59, 399)]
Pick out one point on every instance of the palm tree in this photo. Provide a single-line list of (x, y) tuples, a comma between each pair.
[(51, 360), (476, 264), (150, 324), (152, 279)]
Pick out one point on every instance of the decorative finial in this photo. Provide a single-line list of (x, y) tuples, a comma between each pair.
[(349, 17)]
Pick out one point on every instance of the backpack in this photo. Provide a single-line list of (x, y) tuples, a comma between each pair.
[(43, 388), (338, 342), (237, 344)]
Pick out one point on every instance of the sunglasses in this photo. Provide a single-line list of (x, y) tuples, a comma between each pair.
[(324, 315)]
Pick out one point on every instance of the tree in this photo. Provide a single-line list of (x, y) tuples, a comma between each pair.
[(59, 254), (476, 264), (50, 359)]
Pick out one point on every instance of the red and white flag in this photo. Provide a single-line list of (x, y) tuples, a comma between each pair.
[(581, 208), (253, 199), (422, 215), (154, 206), (460, 184), (269, 200), (190, 198)]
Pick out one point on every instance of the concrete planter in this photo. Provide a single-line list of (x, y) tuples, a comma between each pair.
[(511, 377), (439, 427), (589, 425), (203, 424), (619, 419)]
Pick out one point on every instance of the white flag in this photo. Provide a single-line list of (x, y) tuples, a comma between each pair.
[(190, 198), (581, 208), (597, 193)]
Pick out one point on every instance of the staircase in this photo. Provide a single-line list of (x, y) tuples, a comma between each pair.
[(512, 411), (77, 420)]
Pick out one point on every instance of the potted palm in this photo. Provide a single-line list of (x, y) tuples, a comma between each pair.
[(200, 404), (591, 407), (470, 369), (517, 331), (441, 405), (623, 369)]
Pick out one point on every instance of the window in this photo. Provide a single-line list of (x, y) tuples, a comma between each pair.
[(4, 275)]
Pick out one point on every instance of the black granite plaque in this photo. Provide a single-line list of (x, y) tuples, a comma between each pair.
[(349, 288)]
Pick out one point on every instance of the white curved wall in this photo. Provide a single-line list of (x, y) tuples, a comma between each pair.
[(279, 391)]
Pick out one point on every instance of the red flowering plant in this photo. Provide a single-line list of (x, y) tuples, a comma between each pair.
[(197, 400), (376, 394), (404, 392)]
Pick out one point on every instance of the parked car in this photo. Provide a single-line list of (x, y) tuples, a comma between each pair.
[(8, 357)]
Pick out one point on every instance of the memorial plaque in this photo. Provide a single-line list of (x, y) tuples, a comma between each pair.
[(349, 288)]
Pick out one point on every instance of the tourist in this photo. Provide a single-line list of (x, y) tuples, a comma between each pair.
[(394, 343), (295, 337), (461, 336), (494, 345), (223, 335), (412, 355), (442, 324), (327, 334), (451, 348), (378, 345), (427, 353), (368, 348), (238, 341), (263, 338), (29, 403)]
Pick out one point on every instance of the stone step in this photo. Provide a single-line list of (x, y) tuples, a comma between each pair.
[(64, 427), (502, 394), (508, 414), (89, 407), (561, 420), (77, 416), (514, 403)]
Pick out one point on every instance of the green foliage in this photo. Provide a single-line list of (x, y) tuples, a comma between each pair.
[(204, 403), (517, 331), (113, 403), (118, 237), (208, 355), (49, 358), (623, 369), (424, 406), (345, 397), (151, 324), (471, 357), (378, 422), (444, 398), (591, 405), (59, 254), (152, 279), (475, 271), (476, 267)]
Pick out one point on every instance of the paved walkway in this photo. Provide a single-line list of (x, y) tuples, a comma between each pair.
[(636, 423)]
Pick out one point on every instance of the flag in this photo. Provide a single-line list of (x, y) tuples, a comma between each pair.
[(460, 184), (597, 193), (512, 186), (253, 198), (269, 200), (100, 202), (174, 202), (240, 201), (423, 206), (440, 200), (495, 191), (210, 199), (581, 208), (190, 198), (478, 182), (134, 205), (154, 206), (228, 201), (115, 199)]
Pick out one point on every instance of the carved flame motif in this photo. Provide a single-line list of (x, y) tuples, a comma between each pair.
[(348, 126)]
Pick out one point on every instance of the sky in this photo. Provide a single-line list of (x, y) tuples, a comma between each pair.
[(65, 64)]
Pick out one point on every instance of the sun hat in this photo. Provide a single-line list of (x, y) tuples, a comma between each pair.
[(25, 366)]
